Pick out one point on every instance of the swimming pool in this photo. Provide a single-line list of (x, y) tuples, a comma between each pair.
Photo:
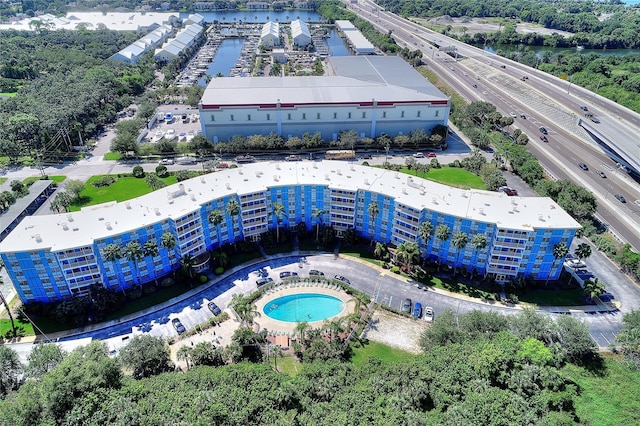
[(303, 307)]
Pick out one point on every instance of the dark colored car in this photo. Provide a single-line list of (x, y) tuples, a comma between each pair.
[(584, 108), (543, 130), (508, 190), (343, 279), (288, 274), (315, 272), (406, 306), (583, 166), (264, 280), (417, 310), (543, 138), (366, 156), (621, 198), (178, 325), (215, 310)]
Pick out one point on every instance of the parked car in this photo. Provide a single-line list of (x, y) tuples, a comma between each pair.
[(418, 155), (583, 166), (185, 118), (428, 314), (288, 274), (601, 174), (166, 162), (178, 325), (264, 280), (341, 278), (315, 272), (168, 117), (215, 310), (170, 135), (432, 155), (406, 306), (620, 198), (366, 156), (417, 310), (508, 190), (186, 160), (293, 158)]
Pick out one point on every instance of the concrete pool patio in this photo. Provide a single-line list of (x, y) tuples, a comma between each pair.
[(262, 321)]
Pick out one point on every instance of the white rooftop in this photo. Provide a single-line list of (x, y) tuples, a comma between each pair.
[(299, 28), (357, 79), (70, 230)]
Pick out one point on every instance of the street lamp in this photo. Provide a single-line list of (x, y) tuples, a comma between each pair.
[(618, 167)]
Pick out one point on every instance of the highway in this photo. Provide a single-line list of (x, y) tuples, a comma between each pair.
[(545, 100)]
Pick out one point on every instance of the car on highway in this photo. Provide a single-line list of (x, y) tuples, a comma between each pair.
[(583, 166), (594, 119), (543, 130), (503, 66), (417, 310), (584, 108), (601, 174), (543, 138), (523, 116), (620, 198), (316, 273), (428, 314), (178, 326), (264, 280), (513, 114), (406, 306), (215, 310), (341, 278), (166, 162), (186, 160), (288, 274)]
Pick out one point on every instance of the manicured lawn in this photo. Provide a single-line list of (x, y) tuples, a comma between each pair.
[(384, 353), (9, 94), (572, 297), (452, 176), (5, 325), (288, 365), (31, 179), (125, 188), (2, 180), (608, 396), (113, 156)]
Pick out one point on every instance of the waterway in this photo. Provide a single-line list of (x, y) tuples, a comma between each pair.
[(225, 58), (258, 16), (337, 45)]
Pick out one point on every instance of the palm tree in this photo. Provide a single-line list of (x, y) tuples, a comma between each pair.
[(373, 212), (243, 307), (150, 249), (443, 233), (216, 218), (233, 210), (560, 251), (479, 242), (113, 253), (168, 242), (184, 354), (278, 210), (317, 214), (380, 250), (133, 252), (583, 251), (276, 351), (407, 254), (425, 232), (593, 288), (459, 241), (301, 330), (187, 264)]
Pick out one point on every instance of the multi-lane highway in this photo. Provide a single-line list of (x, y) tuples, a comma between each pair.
[(545, 100)]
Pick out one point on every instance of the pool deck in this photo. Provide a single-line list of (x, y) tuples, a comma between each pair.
[(275, 326)]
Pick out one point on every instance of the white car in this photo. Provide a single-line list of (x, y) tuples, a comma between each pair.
[(158, 135), (418, 155), (166, 162), (513, 114), (170, 135), (637, 203), (428, 314)]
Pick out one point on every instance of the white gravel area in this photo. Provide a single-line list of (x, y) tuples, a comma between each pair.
[(396, 331)]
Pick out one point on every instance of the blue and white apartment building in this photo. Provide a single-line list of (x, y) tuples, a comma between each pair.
[(53, 257)]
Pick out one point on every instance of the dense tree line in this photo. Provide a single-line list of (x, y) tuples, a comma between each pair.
[(69, 91), (478, 368)]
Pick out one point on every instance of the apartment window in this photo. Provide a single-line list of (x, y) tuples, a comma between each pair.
[(268, 117), (288, 116), (304, 116), (401, 114), (437, 112), (248, 117), (418, 115), (335, 115), (231, 119), (364, 114), (384, 114), (349, 115), (213, 117), (318, 116)]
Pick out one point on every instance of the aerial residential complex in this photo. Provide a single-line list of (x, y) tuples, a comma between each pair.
[(369, 94), (53, 257)]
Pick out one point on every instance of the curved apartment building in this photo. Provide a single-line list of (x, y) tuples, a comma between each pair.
[(53, 257)]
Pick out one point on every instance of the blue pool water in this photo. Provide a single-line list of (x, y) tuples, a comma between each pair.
[(304, 307)]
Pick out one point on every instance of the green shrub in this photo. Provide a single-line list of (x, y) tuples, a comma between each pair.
[(203, 279), (395, 269), (233, 166), (104, 181), (219, 270), (162, 171), (138, 172)]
